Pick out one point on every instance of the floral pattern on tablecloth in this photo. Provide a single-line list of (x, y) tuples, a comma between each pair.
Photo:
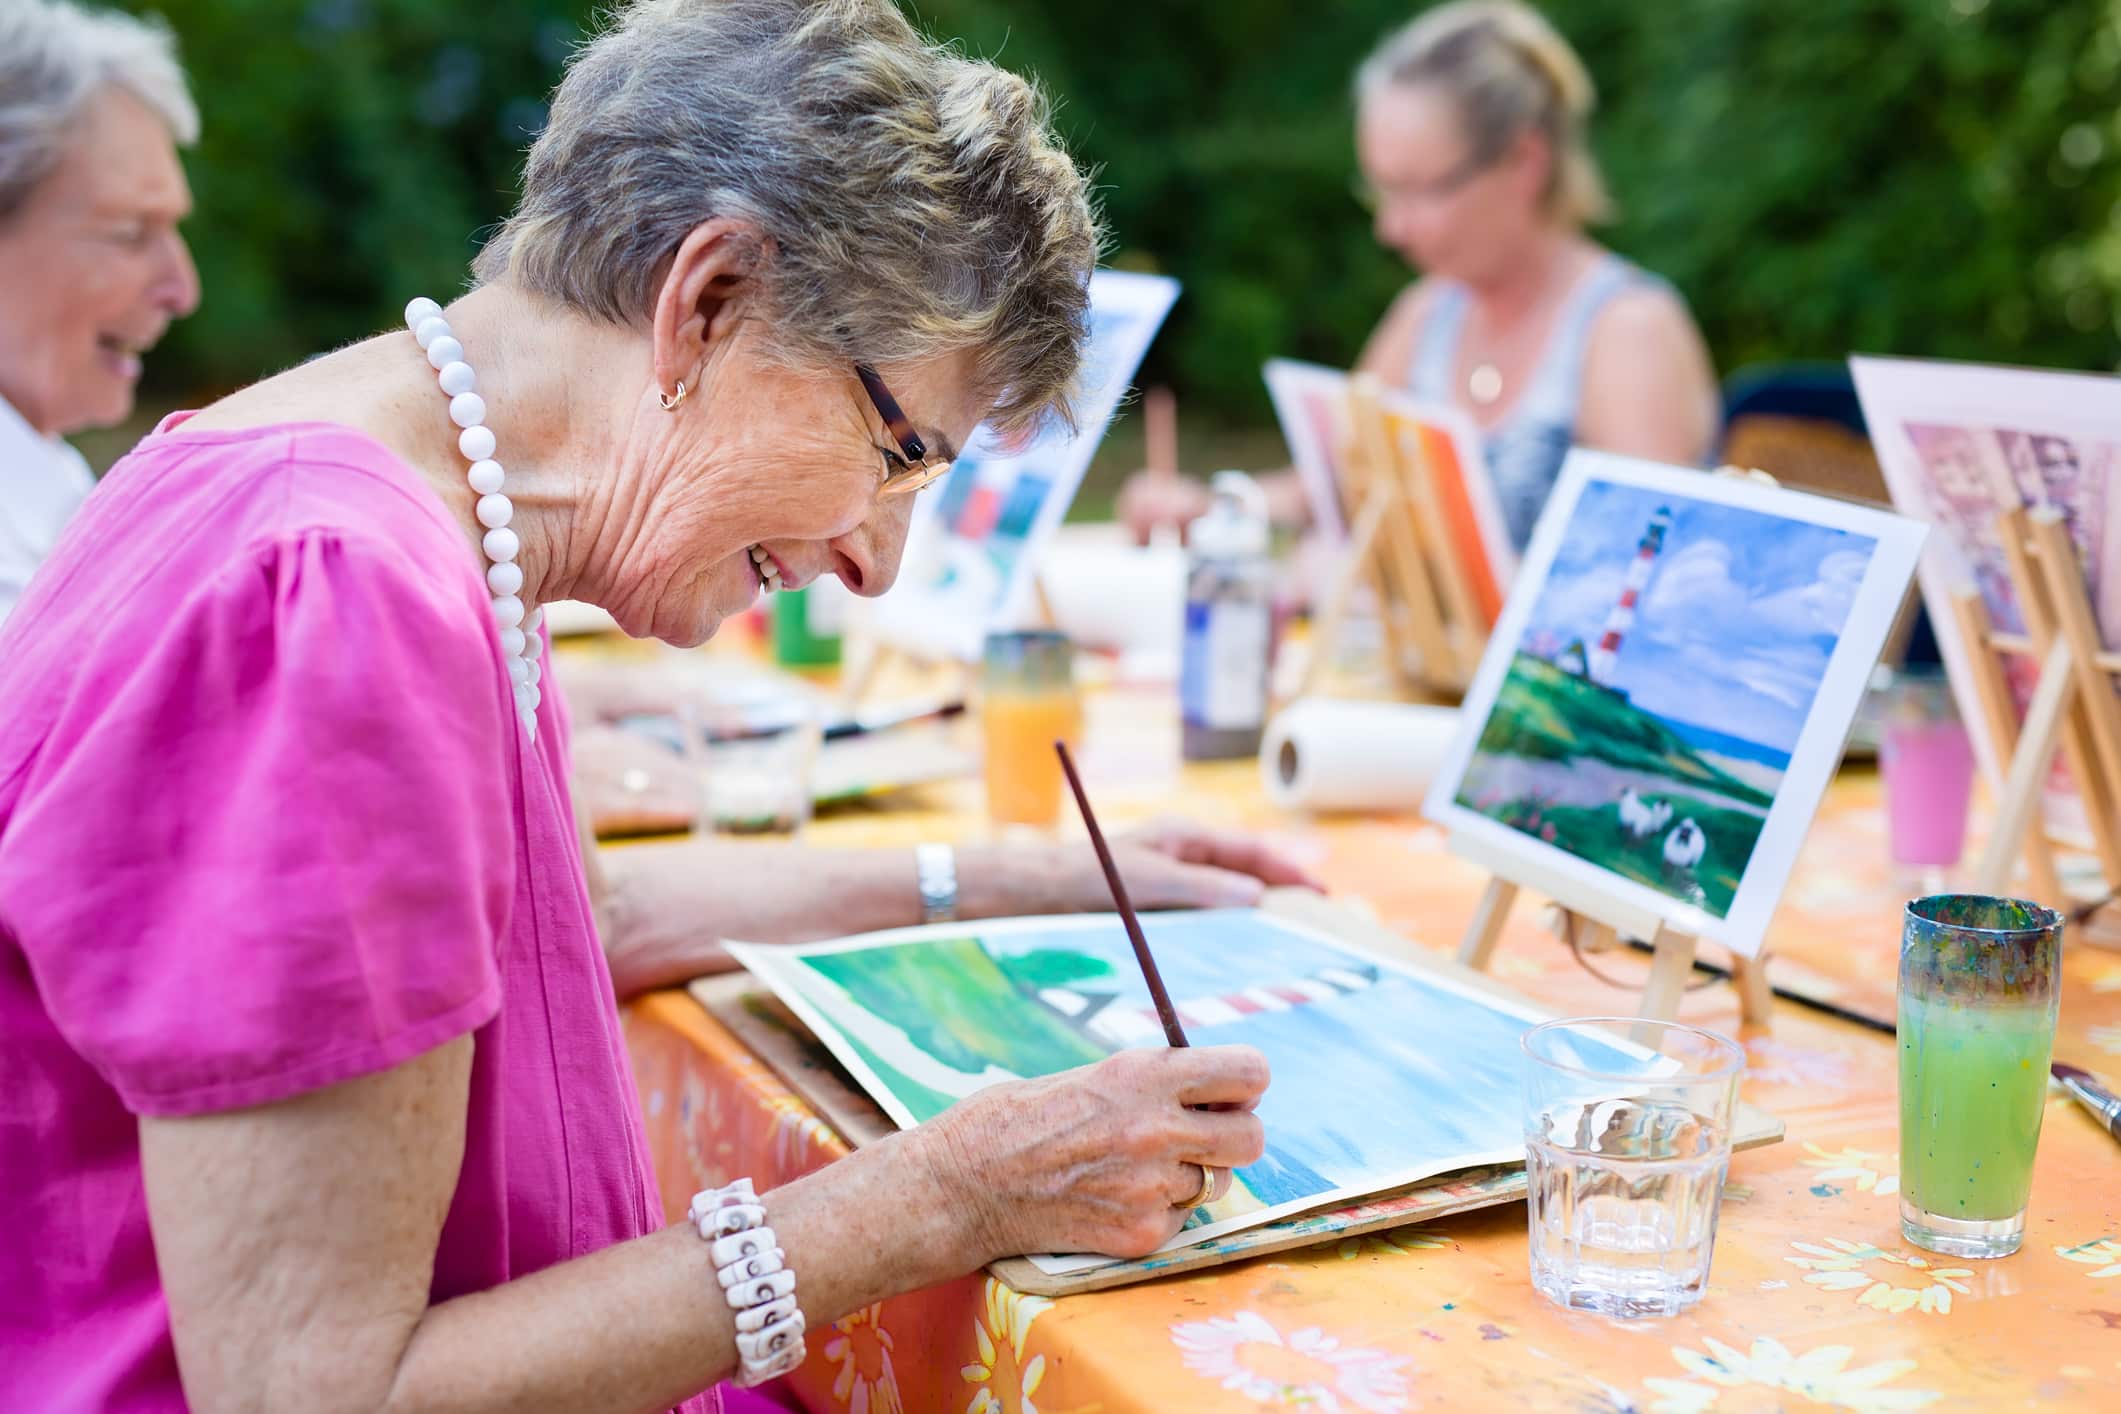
[(1821, 1375), (1306, 1368), (1852, 1168), (2104, 1253), (1005, 1385), (1842, 1265), (859, 1352)]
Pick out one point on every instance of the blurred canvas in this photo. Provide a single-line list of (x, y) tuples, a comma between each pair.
[(1959, 443)]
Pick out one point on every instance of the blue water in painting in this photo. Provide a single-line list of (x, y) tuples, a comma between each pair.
[(1394, 1077), (1724, 744)]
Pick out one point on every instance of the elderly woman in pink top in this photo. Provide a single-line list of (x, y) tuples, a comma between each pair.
[(316, 1092)]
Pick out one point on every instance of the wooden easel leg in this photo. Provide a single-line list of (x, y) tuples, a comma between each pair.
[(1756, 999), (1494, 910), (1325, 642), (1670, 966), (1999, 716), (2017, 807)]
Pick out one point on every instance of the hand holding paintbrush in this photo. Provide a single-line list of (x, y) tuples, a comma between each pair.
[(1214, 1182)]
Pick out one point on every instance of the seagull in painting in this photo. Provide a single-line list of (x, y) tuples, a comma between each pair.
[(1684, 847)]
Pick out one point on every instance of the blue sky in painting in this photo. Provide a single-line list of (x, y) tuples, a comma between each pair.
[(1741, 615), (1393, 1078)]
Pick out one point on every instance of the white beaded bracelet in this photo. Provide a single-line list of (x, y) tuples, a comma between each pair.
[(755, 1279)]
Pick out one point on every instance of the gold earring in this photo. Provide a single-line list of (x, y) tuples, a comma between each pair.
[(670, 401)]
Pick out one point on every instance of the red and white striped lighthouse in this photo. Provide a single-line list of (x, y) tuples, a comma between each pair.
[(1606, 656)]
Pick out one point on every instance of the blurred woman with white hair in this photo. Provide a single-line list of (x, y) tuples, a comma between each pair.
[(92, 108)]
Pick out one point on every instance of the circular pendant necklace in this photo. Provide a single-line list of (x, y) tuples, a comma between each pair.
[(1484, 383)]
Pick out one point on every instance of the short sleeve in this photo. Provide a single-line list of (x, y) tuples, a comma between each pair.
[(268, 843)]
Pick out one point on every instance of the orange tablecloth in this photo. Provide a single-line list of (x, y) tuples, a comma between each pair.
[(1815, 1300)]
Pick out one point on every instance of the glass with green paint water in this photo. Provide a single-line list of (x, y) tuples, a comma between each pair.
[(1979, 981)]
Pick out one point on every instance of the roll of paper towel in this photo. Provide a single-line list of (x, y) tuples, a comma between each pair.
[(1325, 755)]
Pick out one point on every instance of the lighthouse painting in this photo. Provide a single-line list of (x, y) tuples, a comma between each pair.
[(1680, 650)]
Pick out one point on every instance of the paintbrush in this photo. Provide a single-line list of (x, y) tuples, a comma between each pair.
[(2102, 1102), (1165, 1012)]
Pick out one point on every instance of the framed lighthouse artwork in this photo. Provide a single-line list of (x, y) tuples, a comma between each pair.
[(1668, 692)]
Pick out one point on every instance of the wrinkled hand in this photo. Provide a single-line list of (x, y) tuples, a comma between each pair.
[(1176, 863), (1150, 500), (1096, 1159)]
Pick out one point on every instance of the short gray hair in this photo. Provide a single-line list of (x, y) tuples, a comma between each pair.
[(916, 201), (1509, 72), (55, 57)]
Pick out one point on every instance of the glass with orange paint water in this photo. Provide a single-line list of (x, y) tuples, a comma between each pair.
[(1028, 702)]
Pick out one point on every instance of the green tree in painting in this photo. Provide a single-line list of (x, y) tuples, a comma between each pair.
[(953, 1001)]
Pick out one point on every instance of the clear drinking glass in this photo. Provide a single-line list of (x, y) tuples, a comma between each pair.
[(1028, 700), (1978, 996), (1627, 1138), (1928, 764), (757, 779)]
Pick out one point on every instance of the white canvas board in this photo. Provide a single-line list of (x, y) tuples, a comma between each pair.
[(1311, 404), (1678, 774), (977, 537), (1383, 1074)]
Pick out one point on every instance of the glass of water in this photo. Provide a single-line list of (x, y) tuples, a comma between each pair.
[(758, 777), (1627, 1137)]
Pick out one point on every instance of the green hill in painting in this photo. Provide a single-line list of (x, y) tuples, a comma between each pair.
[(955, 1003), (1545, 713)]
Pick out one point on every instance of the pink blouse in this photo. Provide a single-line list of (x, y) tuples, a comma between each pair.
[(268, 822)]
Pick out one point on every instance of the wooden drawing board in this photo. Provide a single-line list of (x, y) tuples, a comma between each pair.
[(772, 1033)]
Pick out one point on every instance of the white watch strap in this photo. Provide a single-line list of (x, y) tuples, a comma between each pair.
[(935, 867)]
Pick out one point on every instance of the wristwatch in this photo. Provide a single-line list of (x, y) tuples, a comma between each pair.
[(935, 866)]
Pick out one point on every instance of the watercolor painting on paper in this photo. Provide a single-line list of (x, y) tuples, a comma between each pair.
[(1382, 1075)]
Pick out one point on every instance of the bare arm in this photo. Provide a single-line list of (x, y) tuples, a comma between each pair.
[(1648, 387), (667, 905), (296, 1241), (1390, 351)]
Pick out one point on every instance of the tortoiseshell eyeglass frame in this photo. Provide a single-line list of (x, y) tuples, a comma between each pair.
[(920, 468)]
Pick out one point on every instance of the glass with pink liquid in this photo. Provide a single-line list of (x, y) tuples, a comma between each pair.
[(1928, 764)]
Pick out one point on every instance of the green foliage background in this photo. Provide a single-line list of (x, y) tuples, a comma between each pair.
[(1933, 177)]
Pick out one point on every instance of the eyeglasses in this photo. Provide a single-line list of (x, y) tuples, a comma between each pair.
[(1373, 198), (917, 468)]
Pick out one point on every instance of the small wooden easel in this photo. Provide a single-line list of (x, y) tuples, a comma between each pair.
[(1594, 921), (1400, 546), (2074, 704)]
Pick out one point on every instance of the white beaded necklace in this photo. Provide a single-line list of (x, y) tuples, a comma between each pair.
[(520, 639)]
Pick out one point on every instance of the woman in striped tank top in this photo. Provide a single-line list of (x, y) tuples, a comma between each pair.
[(1470, 134)]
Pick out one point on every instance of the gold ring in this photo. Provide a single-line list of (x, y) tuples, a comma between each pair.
[(1207, 1188)]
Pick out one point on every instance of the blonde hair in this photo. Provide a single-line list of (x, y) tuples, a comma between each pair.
[(917, 202), (1509, 72)]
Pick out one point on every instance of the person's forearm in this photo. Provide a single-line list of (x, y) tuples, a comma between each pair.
[(668, 906), (1287, 505), (644, 1325)]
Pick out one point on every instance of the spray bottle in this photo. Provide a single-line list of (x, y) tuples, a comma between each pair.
[(1222, 681)]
